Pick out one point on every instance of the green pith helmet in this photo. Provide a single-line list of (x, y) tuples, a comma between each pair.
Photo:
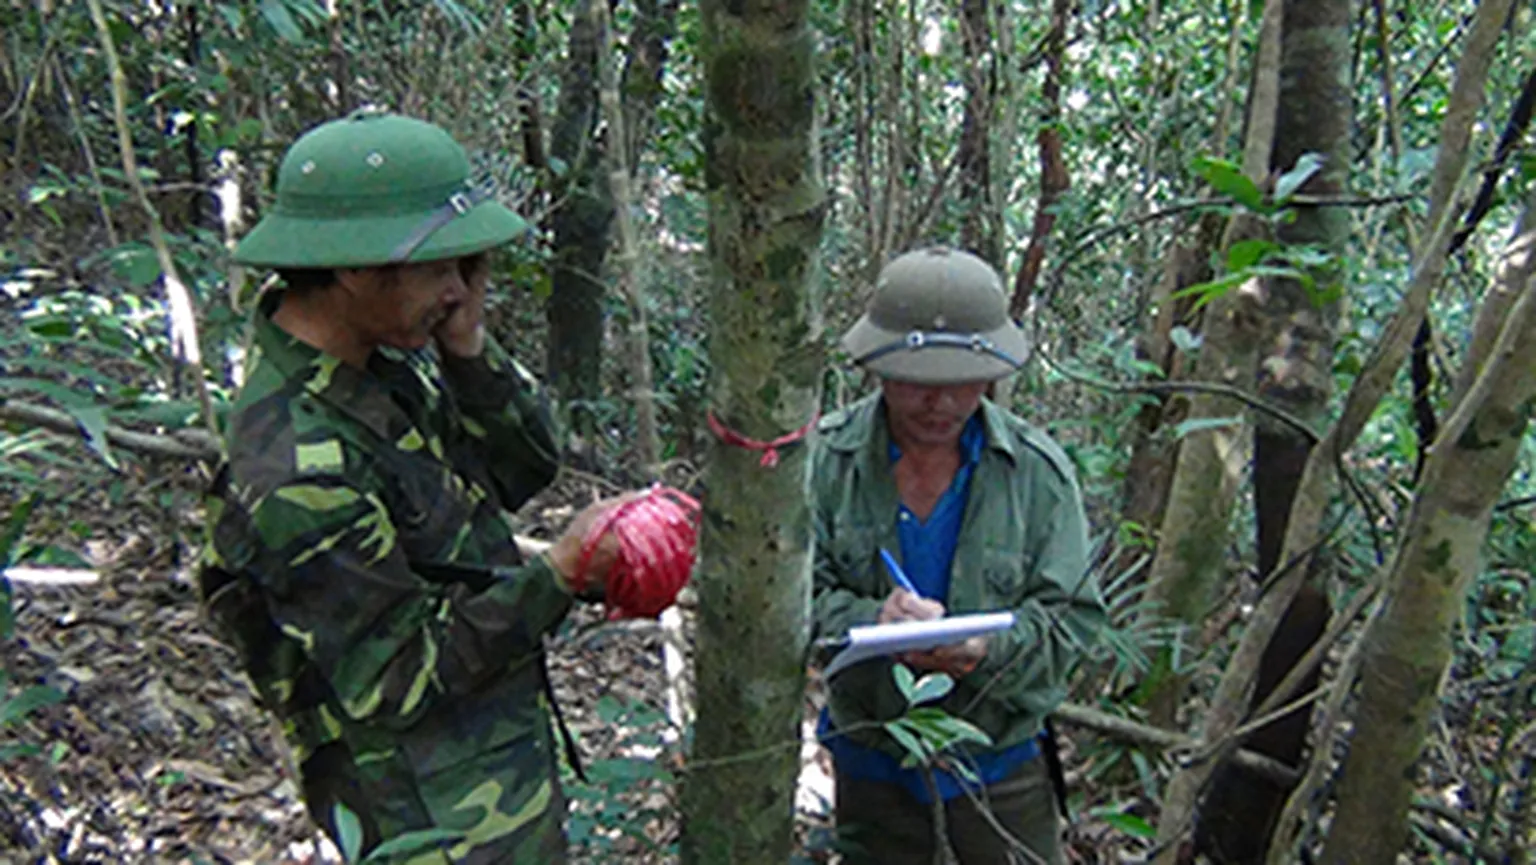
[(938, 316), (376, 188)]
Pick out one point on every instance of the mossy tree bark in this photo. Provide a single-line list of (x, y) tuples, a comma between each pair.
[(1304, 528), (1192, 536), (1314, 116), (1407, 649), (581, 223), (767, 206)]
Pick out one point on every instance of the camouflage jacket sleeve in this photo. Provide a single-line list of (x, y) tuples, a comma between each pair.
[(390, 641), (505, 416)]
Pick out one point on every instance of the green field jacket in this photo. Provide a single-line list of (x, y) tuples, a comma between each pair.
[(1022, 547)]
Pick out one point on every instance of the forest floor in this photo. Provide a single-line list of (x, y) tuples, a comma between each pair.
[(157, 752)]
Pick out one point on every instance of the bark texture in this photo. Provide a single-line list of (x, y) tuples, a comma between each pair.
[(1193, 532), (1407, 650), (1314, 116), (767, 207), (579, 226), (1054, 180), (980, 221), (1304, 527), (582, 222)]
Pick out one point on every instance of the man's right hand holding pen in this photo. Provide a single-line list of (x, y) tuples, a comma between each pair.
[(905, 604)]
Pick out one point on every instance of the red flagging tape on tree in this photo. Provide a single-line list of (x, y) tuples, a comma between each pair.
[(770, 449)]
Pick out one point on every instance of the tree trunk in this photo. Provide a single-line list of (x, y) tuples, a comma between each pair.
[(579, 228), (767, 206), (1304, 528), (1407, 651), (582, 222), (655, 23), (980, 220), (1192, 537), (1314, 116), (1054, 180), (642, 390)]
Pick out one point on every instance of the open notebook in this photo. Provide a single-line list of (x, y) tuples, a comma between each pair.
[(872, 641)]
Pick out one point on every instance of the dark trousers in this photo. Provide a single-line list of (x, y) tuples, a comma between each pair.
[(1012, 821)]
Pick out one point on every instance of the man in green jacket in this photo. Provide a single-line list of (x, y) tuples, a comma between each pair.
[(982, 511), (362, 558)]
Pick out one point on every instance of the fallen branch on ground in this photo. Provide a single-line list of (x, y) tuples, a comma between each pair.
[(1146, 734)]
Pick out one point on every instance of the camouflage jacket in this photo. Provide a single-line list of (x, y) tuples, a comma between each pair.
[(362, 561), (1022, 547)]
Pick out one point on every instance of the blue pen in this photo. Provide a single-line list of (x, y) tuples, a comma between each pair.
[(898, 576)]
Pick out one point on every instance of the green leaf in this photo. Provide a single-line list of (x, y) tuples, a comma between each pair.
[(1130, 824), (413, 842), (609, 709), (1199, 424), (929, 688), (1247, 253), (1186, 340), (93, 422), (906, 683), (27, 702), (1307, 165), (277, 14), (15, 524), (7, 616), (12, 751), (916, 750), (232, 15), (349, 832), (1205, 292), (1230, 181)]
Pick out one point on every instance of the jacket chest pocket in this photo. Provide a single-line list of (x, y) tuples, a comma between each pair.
[(852, 552), (432, 511), (1005, 576)]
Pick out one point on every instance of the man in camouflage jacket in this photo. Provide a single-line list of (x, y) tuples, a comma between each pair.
[(362, 559), (982, 511)]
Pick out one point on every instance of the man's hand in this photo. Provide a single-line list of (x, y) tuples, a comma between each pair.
[(462, 332), (565, 553), (957, 660), (903, 606)]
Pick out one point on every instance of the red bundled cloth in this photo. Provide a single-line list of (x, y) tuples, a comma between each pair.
[(658, 538)]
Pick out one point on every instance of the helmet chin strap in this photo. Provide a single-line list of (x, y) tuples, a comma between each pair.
[(918, 340), (457, 205)]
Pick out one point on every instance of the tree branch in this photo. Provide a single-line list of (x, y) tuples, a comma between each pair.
[(1168, 740), (1213, 388), (1094, 238), (195, 444)]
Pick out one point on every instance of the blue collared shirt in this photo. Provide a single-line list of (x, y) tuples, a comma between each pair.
[(927, 552)]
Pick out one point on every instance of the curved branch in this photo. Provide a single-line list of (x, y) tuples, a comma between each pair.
[(1165, 387)]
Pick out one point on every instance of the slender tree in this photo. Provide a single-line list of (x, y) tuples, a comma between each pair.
[(579, 225), (1407, 649), (1304, 528), (980, 220), (766, 209), (1314, 119), (1192, 536)]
